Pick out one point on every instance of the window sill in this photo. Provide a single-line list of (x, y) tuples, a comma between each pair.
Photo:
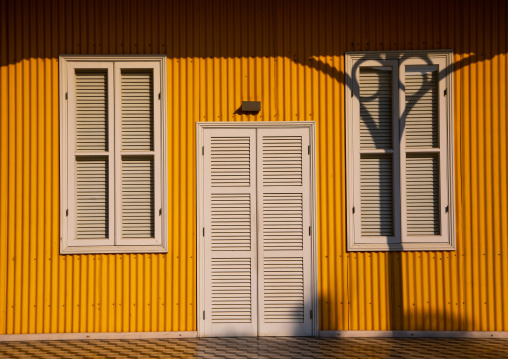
[(399, 247), (112, 249)]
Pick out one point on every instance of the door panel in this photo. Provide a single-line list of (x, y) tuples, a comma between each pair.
[(230, 233), (284, 246)]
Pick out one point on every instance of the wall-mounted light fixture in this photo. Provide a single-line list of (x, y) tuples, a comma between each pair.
[(251, 106)]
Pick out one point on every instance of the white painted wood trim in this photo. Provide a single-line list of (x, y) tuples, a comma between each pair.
[(385, 55), (256, 124), (314, 230), (437, 56), (200, 239), (412, 334), (200, 127), (97, 336)]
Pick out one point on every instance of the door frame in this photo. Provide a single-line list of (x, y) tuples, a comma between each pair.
[(200, 128)]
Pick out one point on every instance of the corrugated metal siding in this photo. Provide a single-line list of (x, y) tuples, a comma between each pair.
[(290, 56)]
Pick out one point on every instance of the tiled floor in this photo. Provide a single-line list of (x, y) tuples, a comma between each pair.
[(260, 348)]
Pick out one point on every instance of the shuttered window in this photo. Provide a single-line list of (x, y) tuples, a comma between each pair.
[(112, 147), (400, 151)]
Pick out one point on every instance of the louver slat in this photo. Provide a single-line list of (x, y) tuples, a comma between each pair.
[(282, 221), (282, 160), (137, 197), (231, 290), (92, 203), (375, 108), (376, 178), (137, 110), (422, 185), (231, 222), (283, 290), (230, 161), (91, 111), (421, 109)]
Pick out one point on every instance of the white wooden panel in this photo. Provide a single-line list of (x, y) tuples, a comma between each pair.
[(376, 107), (137, 109), (229, 194), (284, 248)]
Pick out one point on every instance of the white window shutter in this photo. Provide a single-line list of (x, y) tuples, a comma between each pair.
[(90, 209), (284, 232), (423, 152), (138, 189), (230, 232), (376, 153)]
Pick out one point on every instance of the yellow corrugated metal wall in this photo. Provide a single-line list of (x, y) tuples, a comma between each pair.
[(290, 56)]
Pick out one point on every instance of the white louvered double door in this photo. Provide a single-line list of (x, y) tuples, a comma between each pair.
[(257, 235)]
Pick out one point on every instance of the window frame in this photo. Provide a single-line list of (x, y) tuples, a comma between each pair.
[(400, 241), (113, 64)]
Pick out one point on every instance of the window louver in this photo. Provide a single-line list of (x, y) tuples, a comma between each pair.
[(92, 201), (376, 176), (137, 110), (422, 191), (91, 111), (375, 108), (137, 198), (421, 108)]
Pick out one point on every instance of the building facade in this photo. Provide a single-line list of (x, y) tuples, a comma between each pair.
[(297, 59)]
